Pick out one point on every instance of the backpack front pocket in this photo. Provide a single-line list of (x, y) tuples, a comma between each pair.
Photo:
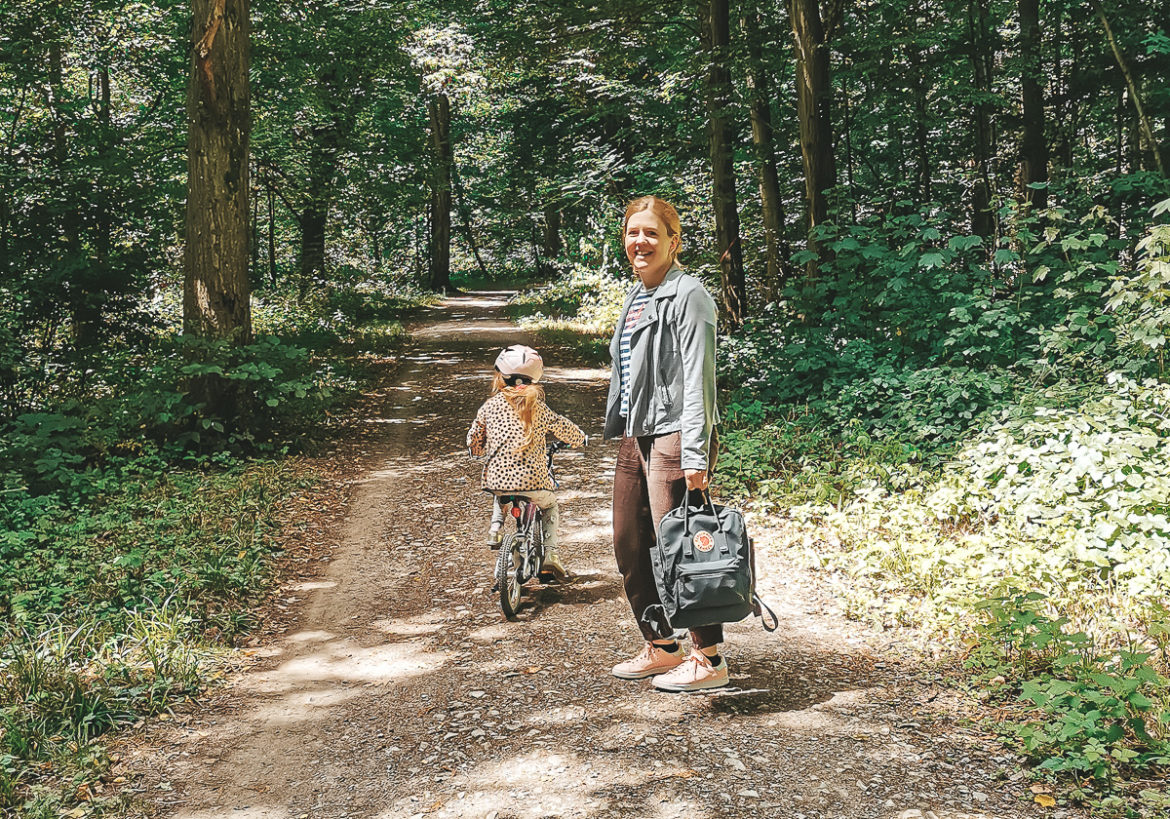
[(711, 585)]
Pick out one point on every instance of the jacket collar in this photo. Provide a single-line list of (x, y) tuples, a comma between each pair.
[(666, 290), (669, 284)]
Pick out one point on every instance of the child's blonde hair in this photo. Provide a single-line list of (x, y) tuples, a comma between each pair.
[(523, 398)]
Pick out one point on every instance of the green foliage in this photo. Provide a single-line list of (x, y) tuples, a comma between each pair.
[(1104, 714), (1067, 501), (590, 297), (1142, 300), (110, 603), (65, 685), (203, 537)]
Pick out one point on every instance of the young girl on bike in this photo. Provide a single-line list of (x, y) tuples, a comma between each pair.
[(510, 428)]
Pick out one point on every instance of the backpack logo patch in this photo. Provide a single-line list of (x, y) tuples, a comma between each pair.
[(704, 541)]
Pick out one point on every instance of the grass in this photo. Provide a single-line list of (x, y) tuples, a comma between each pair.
[(123, 589), (119, 611)]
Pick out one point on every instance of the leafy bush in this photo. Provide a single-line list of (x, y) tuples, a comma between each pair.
[(1070, 502), (203, 538), (588, 296), (109, 599), (1143, 299), (917, 330), (1104, 714)]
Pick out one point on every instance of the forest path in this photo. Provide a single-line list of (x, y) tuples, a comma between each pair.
[(400, 691)]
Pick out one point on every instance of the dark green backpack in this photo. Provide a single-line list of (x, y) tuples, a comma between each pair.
[(704, 568)]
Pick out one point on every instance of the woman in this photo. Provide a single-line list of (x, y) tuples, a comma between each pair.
[(662, 407)]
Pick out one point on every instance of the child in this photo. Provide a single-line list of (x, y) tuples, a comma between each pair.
[(510, 428)]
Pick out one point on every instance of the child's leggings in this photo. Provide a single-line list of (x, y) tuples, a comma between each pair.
[(550, 514)]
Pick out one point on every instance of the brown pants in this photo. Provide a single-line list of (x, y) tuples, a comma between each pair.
[(648, 482)]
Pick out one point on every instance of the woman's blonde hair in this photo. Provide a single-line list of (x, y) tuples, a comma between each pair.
[(523, 398), (660, 208)]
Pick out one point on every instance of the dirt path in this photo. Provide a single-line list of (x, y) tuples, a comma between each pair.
[(401, 692)]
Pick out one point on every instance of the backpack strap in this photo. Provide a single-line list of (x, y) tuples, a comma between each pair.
[(655, 617), (763, 607)]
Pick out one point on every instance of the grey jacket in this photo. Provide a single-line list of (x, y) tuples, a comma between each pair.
[(672, 368)]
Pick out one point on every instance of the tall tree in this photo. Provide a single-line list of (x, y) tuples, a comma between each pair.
[(814, 97), (439, 108), (1146, 131), (981, 52), (754, 26), (216, 290), (714, 17), (1033, 144)]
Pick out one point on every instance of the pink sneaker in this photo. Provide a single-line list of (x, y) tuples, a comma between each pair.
[(696, 673), (653, 660)]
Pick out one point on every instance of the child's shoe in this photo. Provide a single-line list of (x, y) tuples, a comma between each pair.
[(553, 566)]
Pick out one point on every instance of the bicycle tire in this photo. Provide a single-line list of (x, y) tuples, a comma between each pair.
[(537, 547), (508, 568)]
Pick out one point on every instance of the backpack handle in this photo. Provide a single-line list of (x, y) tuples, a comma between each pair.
[(704, 499)]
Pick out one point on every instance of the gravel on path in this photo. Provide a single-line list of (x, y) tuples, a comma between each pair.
[(398, 689)]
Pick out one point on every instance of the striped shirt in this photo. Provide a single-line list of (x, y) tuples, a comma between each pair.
[(637, 307)]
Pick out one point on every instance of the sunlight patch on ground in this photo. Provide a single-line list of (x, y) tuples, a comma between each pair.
[(344, 661), (250, 812), (467, 327), (312, 636), (396, 629), (543, 784), (310, 585), (586, 534), (489, 634), (578, 374)]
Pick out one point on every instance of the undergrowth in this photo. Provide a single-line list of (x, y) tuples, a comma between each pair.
[(138, 526), (113, 610), (982, 464)]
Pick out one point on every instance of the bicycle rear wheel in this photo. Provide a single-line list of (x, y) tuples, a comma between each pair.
[(509, 566)]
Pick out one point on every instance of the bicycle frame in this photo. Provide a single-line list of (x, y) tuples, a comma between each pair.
[(522, 554)]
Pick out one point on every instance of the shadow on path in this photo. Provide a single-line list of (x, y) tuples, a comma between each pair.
[(403, 693)]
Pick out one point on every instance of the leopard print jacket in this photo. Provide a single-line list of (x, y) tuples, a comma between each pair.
[(497, 433)]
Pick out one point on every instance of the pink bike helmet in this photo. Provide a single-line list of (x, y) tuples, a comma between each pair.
[(520, 360)]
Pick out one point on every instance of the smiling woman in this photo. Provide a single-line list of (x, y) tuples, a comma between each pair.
[(652, 239), (662, 407)]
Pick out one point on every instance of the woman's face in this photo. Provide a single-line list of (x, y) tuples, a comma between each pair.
[(649, 247)]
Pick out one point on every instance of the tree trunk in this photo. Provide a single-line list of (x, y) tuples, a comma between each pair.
[(1033, 144), (921, 108), (814, 110), (313, 223), (104, 220), (271, 234), (440, 244), (715, 22), (85, 321), (771, 203), (465, 220), (215, 287), (1147, 133), (552, 232), (982, 218)]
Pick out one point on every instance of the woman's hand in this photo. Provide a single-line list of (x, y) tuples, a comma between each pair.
[(696, 479)]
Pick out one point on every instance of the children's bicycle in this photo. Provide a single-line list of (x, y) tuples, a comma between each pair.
[(521, 552)]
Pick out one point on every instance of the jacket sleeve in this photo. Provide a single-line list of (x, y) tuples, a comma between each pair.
[(696, 333), (477, 435), (564, 429)]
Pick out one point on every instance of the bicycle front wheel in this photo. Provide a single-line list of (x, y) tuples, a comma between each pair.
[(509, 566)]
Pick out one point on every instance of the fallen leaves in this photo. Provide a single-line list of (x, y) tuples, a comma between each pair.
[(1042, 795)]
